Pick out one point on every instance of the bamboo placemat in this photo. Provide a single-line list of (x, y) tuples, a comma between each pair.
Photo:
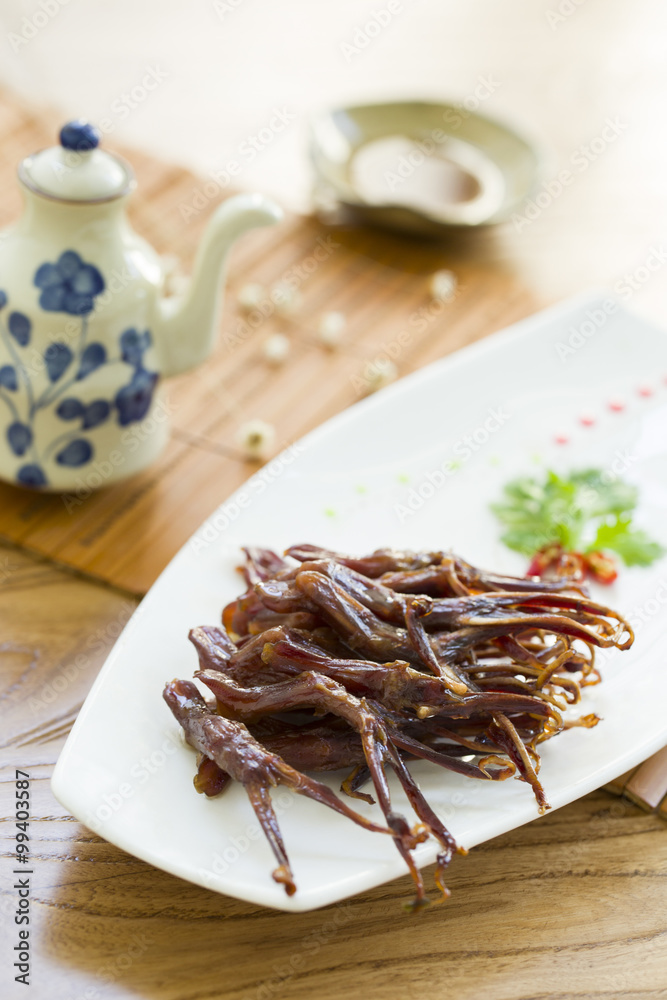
[(127, 533)]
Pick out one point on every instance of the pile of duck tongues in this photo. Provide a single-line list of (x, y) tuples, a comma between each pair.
[(329, 661)]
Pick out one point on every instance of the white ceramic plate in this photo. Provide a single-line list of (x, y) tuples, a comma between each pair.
[(512, 404)]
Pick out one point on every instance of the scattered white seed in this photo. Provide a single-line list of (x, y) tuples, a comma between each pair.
[(276, 349), (255, 438), (331, 329), (379, 373), (443, 285), (285, 299), (250, 296)]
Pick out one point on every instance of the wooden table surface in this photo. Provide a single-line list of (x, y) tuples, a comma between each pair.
[(572, 905)]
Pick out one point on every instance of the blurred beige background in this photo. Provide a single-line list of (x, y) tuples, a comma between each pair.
[(198, 82)]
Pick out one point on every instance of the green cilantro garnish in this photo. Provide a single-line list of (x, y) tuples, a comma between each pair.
[(632, 544), (587, 512)]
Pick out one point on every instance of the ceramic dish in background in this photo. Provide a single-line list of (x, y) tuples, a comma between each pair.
[(421, 167), (372, 477)]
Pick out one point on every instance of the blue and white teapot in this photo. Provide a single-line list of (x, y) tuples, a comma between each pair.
[(86, 330)]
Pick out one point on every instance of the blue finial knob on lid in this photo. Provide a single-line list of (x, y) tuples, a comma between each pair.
[(80, 136)]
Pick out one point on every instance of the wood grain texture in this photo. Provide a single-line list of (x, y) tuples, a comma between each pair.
[(570, 906), (648, 786)]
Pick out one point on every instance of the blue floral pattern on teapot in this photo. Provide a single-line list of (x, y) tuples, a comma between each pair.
[(89, 324), (70, 285)]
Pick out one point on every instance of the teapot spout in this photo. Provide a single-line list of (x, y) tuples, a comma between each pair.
[(187, 325)]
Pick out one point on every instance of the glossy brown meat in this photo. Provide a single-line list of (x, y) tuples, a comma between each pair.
[(318, 747), (369, 662), (237, 753), (380, 561), (397, 685), (367, 634), (324, 694), (415, 572)]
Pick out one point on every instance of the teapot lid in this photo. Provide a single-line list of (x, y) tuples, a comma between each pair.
[(77, 170)]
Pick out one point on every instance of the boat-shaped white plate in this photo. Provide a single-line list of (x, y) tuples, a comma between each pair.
[(582, 384)]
